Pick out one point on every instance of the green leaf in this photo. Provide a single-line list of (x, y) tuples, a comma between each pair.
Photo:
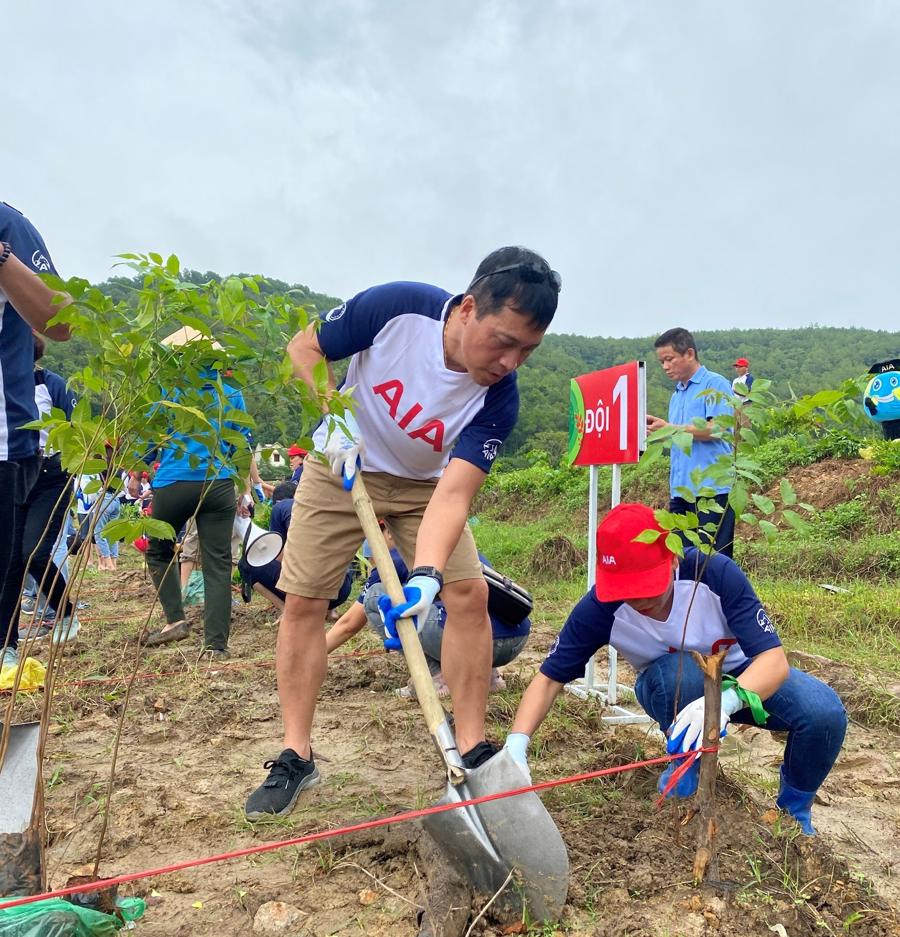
[(764, 504), (795, 520), (648, 536), (769, 530), (685, 493), (674, 544), (748, 518), (787, 492)]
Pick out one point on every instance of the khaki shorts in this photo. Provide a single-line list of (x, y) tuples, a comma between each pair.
[(325, 533), (190, 544)]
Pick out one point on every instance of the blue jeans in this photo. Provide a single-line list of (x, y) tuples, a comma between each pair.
[(432, 634), (804, 707), (108, 510)]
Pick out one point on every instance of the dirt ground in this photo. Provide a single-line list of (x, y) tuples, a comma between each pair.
[(195, 739)]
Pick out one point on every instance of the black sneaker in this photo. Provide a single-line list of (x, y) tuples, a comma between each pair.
[(288, 775), (477, 756)]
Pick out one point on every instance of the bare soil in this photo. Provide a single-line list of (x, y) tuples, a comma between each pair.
[(194, 741)]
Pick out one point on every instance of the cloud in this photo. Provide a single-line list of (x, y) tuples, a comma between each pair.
[(711, 165)]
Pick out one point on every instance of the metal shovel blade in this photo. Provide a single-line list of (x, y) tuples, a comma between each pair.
[(18, 778), (520, 834)]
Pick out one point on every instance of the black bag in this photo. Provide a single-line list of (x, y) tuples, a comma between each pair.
[(507, 600)]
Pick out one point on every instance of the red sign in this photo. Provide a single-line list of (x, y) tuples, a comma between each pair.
[(608, 415)]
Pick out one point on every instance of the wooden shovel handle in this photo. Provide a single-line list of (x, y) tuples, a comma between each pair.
[(435, 717)]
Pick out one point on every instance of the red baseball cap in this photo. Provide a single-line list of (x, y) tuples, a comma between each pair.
[(296, 450), (741, 363), (626, 569)]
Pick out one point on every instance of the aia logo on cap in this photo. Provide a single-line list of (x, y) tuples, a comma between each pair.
[(608, 559)]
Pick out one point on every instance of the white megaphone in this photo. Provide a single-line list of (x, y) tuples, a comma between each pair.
[(260, 546)]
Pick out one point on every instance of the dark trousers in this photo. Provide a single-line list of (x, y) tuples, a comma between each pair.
[(269, 575), (214, 503), (724, 542), (16, 480), (46, 507)]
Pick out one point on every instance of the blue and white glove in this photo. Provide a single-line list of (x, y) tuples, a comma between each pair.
[(343, 446), (686, 732), (260, 494), (517, 746), (420, 592)]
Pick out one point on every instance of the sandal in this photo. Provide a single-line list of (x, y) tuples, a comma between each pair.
[(177, 632)]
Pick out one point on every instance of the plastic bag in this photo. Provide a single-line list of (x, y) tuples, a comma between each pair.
[(58, 918), (192, 593), (33, 673)]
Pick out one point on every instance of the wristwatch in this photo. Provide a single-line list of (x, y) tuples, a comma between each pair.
[(431, 571)]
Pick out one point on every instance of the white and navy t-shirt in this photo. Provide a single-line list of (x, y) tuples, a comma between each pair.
[(726, 613), (50, 391), (17, 405), (414, 413)]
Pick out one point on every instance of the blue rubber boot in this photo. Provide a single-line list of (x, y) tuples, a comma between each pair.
[(687, 784), (798, 804)]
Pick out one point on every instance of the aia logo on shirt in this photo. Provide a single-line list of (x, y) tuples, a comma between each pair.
[(40, 262), (764, 622), (336, 313), (490, 448), (431, 431)]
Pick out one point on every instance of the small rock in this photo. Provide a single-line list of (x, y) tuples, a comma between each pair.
[(275, 917), (367, 896), (160, 705)]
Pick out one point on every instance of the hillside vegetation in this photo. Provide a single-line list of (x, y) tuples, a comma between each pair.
[(797, 361)]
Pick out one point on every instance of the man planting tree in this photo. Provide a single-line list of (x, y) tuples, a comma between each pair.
[(434, 396)]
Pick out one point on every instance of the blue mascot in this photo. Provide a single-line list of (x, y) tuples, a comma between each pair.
[(881, 398)]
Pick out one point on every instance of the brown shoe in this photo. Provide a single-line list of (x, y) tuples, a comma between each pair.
[(177, 632)]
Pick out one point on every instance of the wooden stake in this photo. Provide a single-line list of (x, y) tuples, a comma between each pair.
[(705, 857)]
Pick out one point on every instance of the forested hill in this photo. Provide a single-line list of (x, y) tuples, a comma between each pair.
[(796, 360)]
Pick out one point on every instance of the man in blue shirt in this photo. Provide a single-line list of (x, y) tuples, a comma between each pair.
[(26, 304), (677, 353), (655, 609)]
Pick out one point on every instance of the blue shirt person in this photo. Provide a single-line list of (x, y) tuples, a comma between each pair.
[(677, 353)]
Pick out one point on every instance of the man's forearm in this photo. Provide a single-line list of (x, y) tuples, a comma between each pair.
[(305, 353), (536, 703), (35, 302)]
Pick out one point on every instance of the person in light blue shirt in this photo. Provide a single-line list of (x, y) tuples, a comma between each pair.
[(677, 353)]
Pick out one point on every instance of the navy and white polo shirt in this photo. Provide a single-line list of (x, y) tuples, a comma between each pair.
[(414, 413), (17, 405), (726, 612)]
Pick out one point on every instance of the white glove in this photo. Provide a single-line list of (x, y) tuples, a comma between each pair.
[(517, 746), (686, 731), (343, 445)]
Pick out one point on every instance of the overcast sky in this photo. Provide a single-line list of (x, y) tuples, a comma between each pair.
[(711, 165)]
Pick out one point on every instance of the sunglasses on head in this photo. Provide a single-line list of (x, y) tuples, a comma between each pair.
[(529, 272)]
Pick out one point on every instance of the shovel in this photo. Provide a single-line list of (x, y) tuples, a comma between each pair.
[(512, 841), (21, 813)]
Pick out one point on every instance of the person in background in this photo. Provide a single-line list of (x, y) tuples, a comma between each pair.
[(655, 610), (297, 455), (677, 353), (508, 638), (45, 511), (108, 509), (264, 579), (742, 370), (26, 304), (196, 479)]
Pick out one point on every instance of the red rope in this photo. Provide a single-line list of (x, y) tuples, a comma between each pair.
[(344, 830)]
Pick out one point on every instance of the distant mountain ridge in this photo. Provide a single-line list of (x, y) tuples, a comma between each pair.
[(801, 361)]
